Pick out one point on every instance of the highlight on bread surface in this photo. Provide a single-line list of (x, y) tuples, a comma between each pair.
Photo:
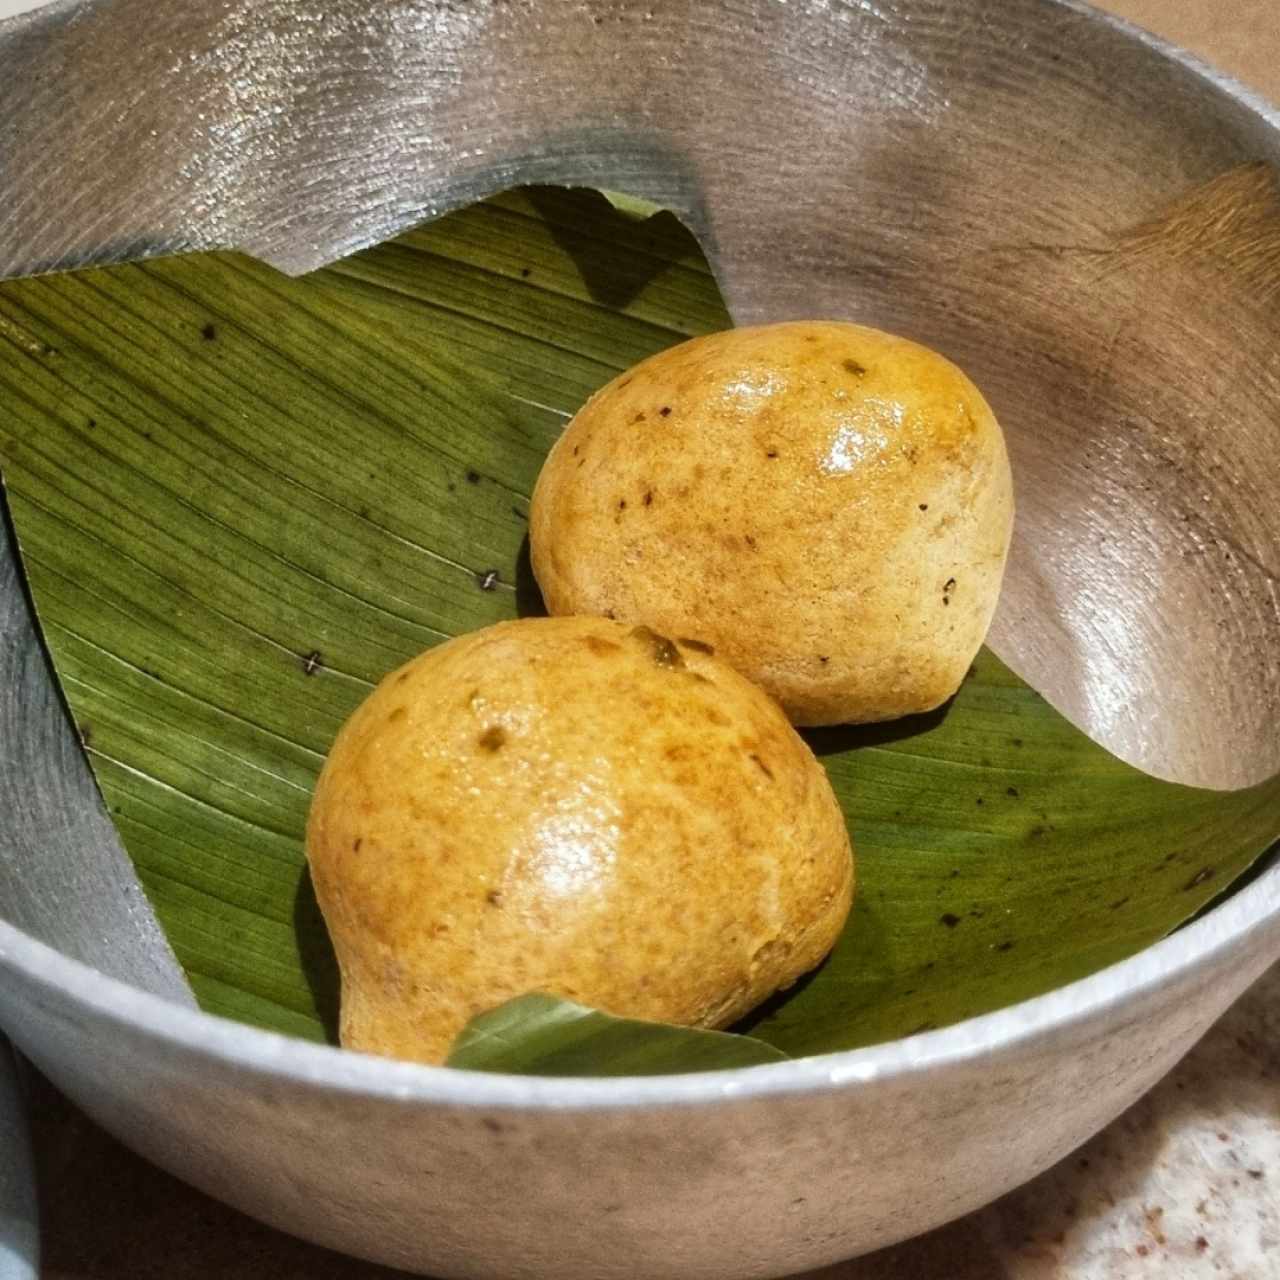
[(828, 505)]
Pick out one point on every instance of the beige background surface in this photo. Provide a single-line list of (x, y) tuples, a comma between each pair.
[(1241, 37), (1183, 1185)]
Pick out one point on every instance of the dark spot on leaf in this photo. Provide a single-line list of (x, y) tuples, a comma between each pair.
[(487, 579), (1016, 742), (86, 733), (663, 652), (665, 411), (493, 898), (979, 801), (356, 843), (764, 768), (525, 272), (949, 920), (1004, 946), (209, 333), (853, 367), (494, 738), (699, 646), (92, 424), (1200, 877), (312, 662), (1011, 791), (473, 477), (955, 871), (1117, 904)]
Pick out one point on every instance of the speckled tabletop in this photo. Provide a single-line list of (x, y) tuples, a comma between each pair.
[(1185, 1185)]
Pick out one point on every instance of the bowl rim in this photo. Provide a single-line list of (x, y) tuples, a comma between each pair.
[(1199, 67), (182, 1028), (179, 1028)]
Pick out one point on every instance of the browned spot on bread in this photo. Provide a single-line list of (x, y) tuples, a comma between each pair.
[(664, 653)]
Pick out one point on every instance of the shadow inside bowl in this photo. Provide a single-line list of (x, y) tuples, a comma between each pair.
[(837, 738), (315, 951), (529, 602)]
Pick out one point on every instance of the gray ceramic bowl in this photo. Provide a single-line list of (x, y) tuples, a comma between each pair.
[(1087, 219)]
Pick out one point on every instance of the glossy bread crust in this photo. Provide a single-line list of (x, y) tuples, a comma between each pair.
[(828, 505), (578, 807)]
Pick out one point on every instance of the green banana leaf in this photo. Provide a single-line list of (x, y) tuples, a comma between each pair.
[(241, 499), (539, 1035)]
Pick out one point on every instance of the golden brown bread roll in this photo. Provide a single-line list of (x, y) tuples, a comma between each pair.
[(578, 807), (828, 505)]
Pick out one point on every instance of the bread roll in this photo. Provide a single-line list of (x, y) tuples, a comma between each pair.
[(827, 505), (572, 806)]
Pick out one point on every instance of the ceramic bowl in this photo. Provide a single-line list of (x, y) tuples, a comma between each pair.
[(1086, 218)]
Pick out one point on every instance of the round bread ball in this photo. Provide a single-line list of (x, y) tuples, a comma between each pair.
[(577, 807), (828, 505)]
